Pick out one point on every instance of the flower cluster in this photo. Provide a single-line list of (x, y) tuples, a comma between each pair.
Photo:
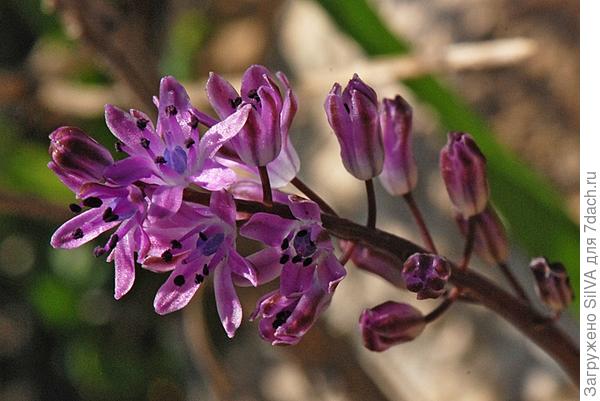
[(146, 202)]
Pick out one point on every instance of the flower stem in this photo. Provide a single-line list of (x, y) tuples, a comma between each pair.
[(372, 204), (470, 241), (313, 196), (513, 281), (443, 307), (266, 186), (414, 209)]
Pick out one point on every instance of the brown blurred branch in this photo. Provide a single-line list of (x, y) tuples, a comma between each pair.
[(26, 206)]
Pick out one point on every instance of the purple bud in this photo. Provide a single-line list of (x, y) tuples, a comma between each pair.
[(491, 242), (352, 114), (426, 274), (389, 324), (77, 154), (463, 169), (553, 286), (399, 175)]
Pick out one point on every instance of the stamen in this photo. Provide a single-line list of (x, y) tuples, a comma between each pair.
[(99, 251), (202, 236), (284, 258), (296, 259), (167, 256), (77, 233), (302, 233), (235, 102), (119, 146), (145, 143), (199, 278), (171, 110), (205, 270), (175, 244), (108, 216), (307, 262), (193, 122), (142, 123), (75, 208), (285, 244), (112, 243), (252, 94), (179, 280), (189, 143), (160, 160), (92, 201)]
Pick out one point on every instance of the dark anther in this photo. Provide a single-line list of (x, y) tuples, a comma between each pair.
[(171, 110), (160, 160), (202, 236), (113, 241), (167, 256), (189, 143), (193, 122), (235, 102), (199, 278), (92, 201), (145, 143), (179, 280), (75, 208), (141, 123), (119, 146), (78, 233), (252, 94), (347, 108), (108, 215), (205, 270), (296, 259), (99, 251), (175, 244), (302, 233), (284, 258), (285, 244), (307, 262)]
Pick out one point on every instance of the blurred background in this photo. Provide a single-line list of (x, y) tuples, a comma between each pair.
[(505, 70)]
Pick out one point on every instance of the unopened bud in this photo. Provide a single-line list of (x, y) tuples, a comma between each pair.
[(553, 286), (426, 274), (389, 324), (491, 242)]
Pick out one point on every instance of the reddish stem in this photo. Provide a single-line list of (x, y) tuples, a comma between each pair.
[(414, 209)]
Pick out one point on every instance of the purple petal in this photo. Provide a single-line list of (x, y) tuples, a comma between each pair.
[(124, 265), (241, 267), (81, 229), (304, 209), (267, 228), (266, 266), (284, 168), (222, 205), (214, 176), (71, 181), (228, 304), (296, 279), (178, 290), (221, 95), (129, 170), (289, 108), (330, 273), (253, 78), (173, 110), (220, 133), (165, 201)]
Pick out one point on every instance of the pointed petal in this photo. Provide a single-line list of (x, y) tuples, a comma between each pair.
[(222, 205), (165, 201), (124, 266), (221, 95), (214, 176), (81, 229), (253, 78), (228, 303), (266, 266), (330, 272), (267, 228), (304, 209), (240, 267), (173, 110), (178, 290), (296, 279), (129, 170)]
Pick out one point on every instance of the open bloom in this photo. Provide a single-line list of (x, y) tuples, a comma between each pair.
[(193, 253), (463, 169), (264, 138), (353, 116), (302, 246), (399, 175), (173, 155), (389, 324)]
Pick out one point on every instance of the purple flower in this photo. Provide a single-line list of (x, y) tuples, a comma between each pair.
[(491, 242), (303, 246), (77, 158), (463, 169), (208, 248), (285, 320), (389, 324), (399, 175), (553, 285), (173, 155), (426, 274), (352, 114), (266, 131)]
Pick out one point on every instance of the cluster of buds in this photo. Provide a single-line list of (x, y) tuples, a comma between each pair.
[(145, 201)]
